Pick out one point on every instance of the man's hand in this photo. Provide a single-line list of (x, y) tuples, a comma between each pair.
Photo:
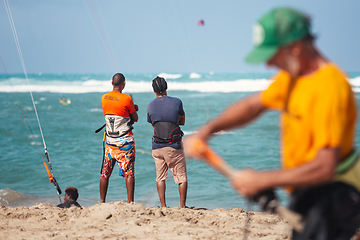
[(247, 182), (189, 144), (136, 107)]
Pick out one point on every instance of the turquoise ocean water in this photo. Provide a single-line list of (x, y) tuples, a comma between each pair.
[(76, 151)]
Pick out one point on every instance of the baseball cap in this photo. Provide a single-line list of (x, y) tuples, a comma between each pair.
[(277, 28)]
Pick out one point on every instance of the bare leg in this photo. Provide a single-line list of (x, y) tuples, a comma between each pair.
[(104, 183), (183, 193), (161, 188), (130, 188)]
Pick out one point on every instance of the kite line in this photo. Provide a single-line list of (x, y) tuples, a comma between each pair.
[(47, 165)]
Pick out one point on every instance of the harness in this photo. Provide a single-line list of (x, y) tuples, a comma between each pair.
[(167, 133), (118, 126), (348, 171)]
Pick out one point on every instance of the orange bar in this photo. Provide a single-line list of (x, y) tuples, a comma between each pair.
[(48, 171)]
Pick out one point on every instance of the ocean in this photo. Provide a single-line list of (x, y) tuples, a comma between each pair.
[(76, 150)]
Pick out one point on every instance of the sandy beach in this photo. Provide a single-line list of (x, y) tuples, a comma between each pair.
[(121, 220)]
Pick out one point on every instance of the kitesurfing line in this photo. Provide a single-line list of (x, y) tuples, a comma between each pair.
[(48, 166), (167, 20), (96, 17), (187, 35)]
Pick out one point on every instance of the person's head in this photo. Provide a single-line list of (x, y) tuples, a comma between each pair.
[(159, 86), (281, 37), (71, 193), (118, 81)]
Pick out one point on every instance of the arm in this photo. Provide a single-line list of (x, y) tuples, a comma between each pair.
[(248, 182), (237, 114), (134, 116), (182, 120)]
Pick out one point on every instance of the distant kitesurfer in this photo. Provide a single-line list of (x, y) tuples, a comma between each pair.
[(64, 101), (120, 114), (71, 195), (166, 114), (320, 165)]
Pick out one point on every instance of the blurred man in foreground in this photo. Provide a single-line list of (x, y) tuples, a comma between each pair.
[(320, 166)]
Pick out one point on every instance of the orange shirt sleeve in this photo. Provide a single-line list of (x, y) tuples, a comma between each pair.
[(131, 106)]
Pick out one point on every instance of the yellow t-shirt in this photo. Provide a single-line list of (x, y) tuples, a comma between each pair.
[(321, 112)]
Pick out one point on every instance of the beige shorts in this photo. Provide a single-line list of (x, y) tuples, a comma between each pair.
[(170, 158)]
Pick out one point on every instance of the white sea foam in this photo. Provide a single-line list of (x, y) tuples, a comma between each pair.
[(242, 85), (355, 81), (93, 85), (356, 89), (35, 143), (224, 133), (195, 75), (28, 108), (169, 75), (187, 133), (96, 110)]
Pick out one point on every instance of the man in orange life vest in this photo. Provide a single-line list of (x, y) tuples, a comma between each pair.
[(120, 114)]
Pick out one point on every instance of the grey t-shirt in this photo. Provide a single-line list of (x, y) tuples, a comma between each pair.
[(165, 109)]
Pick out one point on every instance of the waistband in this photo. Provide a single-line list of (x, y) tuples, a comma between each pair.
[(348, 162), (348, 171)]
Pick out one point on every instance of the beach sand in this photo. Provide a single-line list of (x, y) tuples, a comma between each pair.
[(121, 220)]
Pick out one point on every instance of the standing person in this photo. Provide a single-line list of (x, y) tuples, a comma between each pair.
[(320, 166), (120, 114), (71, 195), (166, 114)]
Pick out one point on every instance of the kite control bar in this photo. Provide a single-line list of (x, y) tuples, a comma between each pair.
[(51, 177)]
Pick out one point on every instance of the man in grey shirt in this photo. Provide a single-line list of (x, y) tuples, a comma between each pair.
[(166, 114)]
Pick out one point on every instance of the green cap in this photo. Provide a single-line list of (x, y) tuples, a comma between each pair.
[(274, 29)]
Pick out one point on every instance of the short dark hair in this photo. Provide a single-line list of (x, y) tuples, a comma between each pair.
[(159, 85), (72, 192), (118, 79)]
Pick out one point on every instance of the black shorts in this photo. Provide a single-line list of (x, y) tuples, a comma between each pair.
[(331, 211)]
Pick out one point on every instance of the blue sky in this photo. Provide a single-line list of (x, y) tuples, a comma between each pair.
[(142, 36)]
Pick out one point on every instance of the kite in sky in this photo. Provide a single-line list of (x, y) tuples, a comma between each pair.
[(201, 22)]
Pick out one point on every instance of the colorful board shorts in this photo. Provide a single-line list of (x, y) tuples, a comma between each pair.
[(170, 158), (122, 151)]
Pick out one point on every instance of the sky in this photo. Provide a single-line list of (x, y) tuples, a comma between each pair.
[(153, 36)]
